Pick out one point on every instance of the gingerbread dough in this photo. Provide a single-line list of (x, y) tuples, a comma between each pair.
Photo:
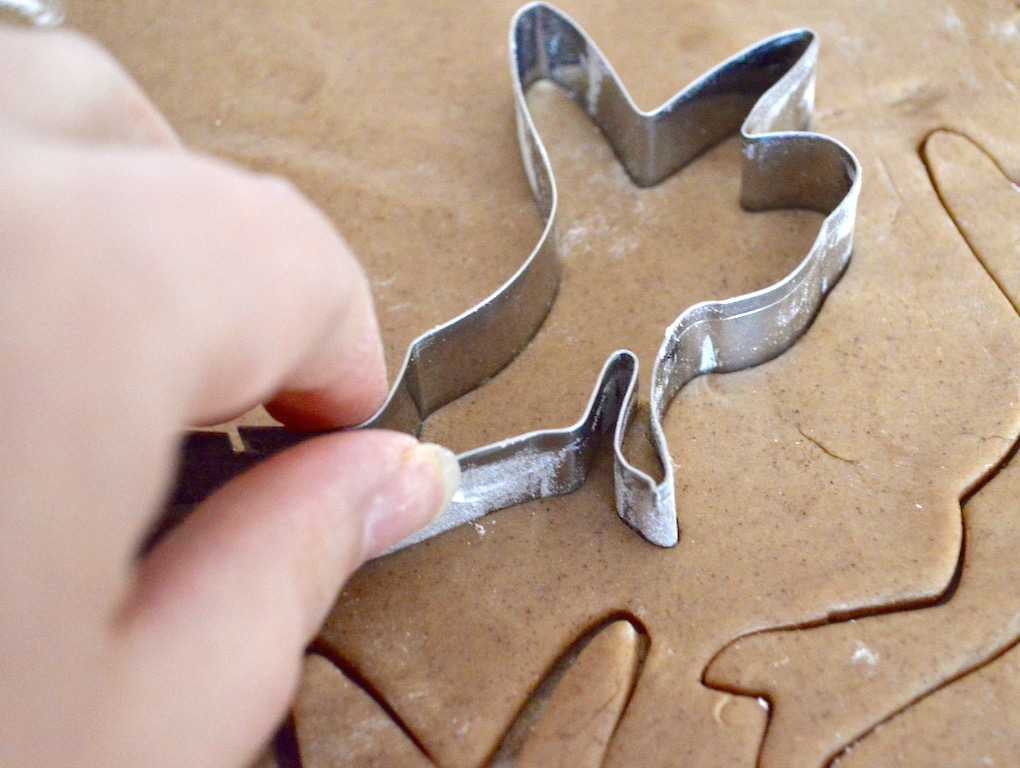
[(586, 704), (831, 685), (976, 719), (823, 485), (339, 724)]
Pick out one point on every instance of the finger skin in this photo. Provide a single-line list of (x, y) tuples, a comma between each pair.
[(143, 290), (237, 592), (144, 287), (68, 87), (199, 255)]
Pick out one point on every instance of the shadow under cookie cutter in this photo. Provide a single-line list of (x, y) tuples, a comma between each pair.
[(766, 92)]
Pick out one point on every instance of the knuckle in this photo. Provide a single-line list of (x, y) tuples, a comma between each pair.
[(92, 91), (82, 57)]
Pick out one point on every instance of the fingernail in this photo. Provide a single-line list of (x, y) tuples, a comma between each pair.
[(420, 490), (448, 468)]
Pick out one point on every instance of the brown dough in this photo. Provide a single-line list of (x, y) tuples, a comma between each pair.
[(984, 204), (338, 724), (575, 728), (825, 483), (976, 719), (266, 760), (829, 685)]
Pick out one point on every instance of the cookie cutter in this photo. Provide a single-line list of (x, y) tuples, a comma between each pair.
[(767, 93)]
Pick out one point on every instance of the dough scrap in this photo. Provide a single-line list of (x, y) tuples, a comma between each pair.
[(975, 719), (266, 760), (339, 724), (830, 685), (983, 203), (585, 706)]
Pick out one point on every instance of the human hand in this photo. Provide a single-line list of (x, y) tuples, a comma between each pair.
[(143, 287)]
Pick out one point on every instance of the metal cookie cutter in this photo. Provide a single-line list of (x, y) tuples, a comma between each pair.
[(766, 92)]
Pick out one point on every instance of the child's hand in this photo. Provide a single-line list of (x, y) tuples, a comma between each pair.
[(143, 288)]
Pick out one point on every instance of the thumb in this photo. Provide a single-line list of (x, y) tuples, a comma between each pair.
[(215, 630)]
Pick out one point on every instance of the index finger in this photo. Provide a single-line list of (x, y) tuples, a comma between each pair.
[(62, 84), (226, 287)]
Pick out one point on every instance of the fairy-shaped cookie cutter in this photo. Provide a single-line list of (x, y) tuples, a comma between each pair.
[(767, 93)]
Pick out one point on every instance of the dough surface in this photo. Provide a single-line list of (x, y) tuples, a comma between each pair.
[(819, 495)]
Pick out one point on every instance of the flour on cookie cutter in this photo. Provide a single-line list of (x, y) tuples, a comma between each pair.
[(766, 92)]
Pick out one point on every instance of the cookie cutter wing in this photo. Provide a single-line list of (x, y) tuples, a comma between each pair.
[(767, 93)]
